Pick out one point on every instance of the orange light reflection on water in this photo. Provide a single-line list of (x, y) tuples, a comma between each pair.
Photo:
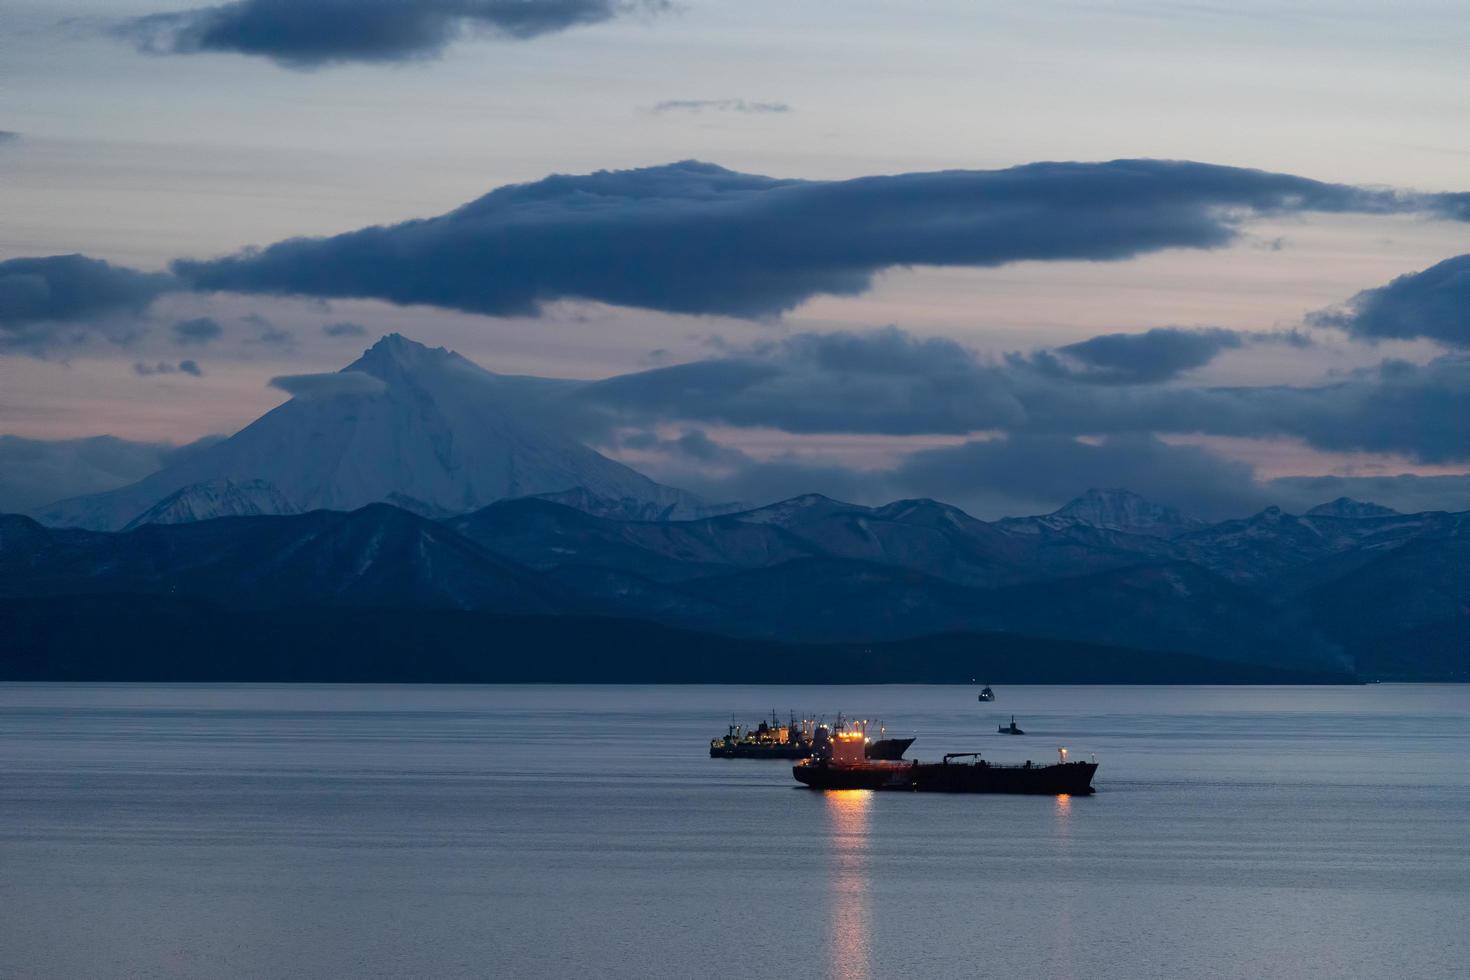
[(1062, 966), (849, 945)]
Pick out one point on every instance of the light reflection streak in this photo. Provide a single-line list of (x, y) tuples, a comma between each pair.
[(1062, 967), (850, 951)]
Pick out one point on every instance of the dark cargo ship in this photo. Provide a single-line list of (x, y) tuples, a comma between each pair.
[(840, 764), (796, 740)]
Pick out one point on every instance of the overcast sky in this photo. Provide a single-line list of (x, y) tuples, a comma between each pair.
[(144, 132)]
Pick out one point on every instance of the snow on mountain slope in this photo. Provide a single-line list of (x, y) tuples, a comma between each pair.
[(421, 423), (1123, 510), (216, 498), (1112, 510), (636, 509)]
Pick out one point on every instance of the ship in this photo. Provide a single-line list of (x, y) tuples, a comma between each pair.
[(986, 694), (796, 739), (838, 762), (767, 740)]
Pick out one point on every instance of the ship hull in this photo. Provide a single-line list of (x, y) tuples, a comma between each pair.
[(739, 751), (1070, 778)]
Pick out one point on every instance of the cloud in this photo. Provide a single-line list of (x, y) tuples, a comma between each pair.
[(1456, 206), (695, 238), (145, 370), (310, 34), (344, 329), (1155, 355), (989, 478), (270, 335), (695, 462), (890, 382), (58, 300), (1434, 303), (884, 381), (8, 136), (200, 330), (35, 472), (720, 105), (1034, 473), (328, 385), (1422, 411)]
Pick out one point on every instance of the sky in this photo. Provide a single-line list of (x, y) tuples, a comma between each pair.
[(868, 286)]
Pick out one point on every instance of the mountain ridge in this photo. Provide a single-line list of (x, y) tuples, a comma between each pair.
[(811, 570)]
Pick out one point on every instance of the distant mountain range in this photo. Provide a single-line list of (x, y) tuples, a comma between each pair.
[(1316, 592), (414, 481)]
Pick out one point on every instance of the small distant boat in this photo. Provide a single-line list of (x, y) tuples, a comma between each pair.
[(1010, 729), (986, 694)]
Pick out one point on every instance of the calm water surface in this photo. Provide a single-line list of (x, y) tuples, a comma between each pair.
[(339, 831)]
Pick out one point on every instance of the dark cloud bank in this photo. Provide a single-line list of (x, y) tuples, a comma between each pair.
[(890, 382), (52, 301), (1058, 436), (695, 238), (307, 34)]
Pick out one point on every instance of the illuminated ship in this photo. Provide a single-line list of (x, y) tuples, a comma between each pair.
[(986, 694), (838, 762), (768, 740), (797, 738)]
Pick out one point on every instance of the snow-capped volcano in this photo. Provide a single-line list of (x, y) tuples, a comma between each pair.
[(420, 426)]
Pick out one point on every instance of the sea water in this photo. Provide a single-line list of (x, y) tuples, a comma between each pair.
[(376, 831)]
